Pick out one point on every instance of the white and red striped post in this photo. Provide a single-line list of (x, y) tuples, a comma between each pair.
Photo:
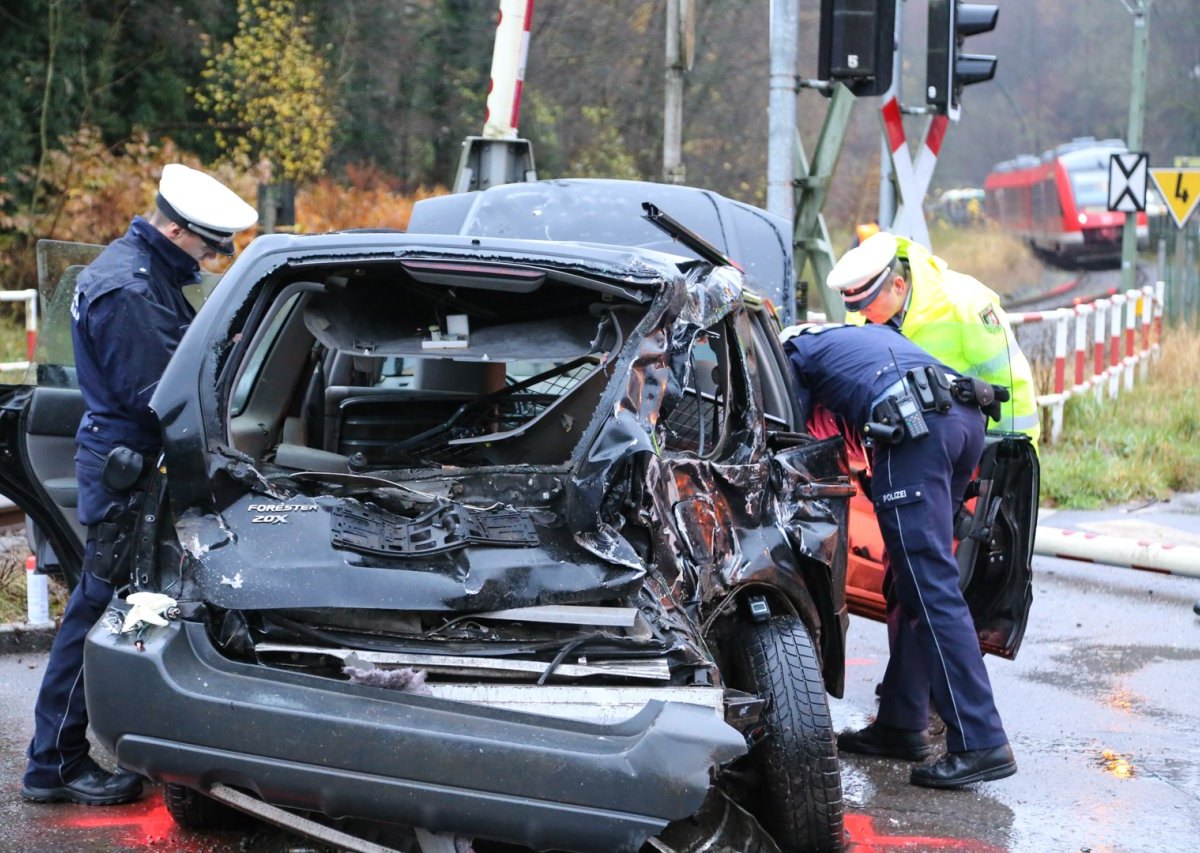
[(508, 69), (1060, 372), (31, 326), (1114, 347), (1081, 315), (1131, 313), (1147, 324), (1098, 331), (1159, 305)]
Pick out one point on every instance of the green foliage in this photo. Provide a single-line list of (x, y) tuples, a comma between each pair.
[(1142, 446), (107, 64), (267, 93), (607, 155)]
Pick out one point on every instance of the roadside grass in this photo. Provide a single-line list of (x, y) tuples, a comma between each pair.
[(12, 583), (999, 260), (13, 552), (1140, 447)]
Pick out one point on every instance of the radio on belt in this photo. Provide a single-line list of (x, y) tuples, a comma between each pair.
[(910, 415)]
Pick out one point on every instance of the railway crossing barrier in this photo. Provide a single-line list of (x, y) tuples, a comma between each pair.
[(1125, 333), (30, 298)]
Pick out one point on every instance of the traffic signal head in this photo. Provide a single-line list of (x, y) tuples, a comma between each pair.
[(858, 44), (947, 68)]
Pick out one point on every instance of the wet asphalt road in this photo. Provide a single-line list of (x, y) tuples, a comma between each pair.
[(1102, 707)]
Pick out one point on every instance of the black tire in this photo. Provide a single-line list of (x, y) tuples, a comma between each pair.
[(193, 810), (800, 799)]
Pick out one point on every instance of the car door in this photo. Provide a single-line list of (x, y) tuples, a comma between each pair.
[(994, 546), (39, 416)]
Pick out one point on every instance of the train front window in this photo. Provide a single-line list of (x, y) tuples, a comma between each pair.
[(1091, 189)]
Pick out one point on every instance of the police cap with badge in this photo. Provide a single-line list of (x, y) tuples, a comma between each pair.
[(862, 272), (203, 205)]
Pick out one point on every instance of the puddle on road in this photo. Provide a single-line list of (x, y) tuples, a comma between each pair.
[(1115, 764)]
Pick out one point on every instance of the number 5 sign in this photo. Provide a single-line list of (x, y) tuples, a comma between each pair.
[(1180, 189)]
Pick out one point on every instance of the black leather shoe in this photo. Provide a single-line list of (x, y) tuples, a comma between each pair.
[(94, 788), (885, 741), (955, 769)]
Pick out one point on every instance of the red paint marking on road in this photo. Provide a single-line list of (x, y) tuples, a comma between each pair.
[(145, 824), (865, 839)]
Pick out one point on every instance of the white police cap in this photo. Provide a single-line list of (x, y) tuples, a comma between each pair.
[(204, 206), (861, 272)]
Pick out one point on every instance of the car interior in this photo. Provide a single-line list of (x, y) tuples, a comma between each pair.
[(365, 375)]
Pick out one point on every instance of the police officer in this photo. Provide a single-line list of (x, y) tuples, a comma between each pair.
[(128, 315), (890, 279), (924, 446)]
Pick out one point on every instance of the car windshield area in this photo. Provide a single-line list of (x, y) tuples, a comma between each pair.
[(424, 364)]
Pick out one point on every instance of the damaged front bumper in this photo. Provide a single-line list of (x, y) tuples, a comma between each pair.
[(173, 709)]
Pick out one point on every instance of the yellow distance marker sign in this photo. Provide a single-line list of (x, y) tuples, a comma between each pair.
[(1180, 189)]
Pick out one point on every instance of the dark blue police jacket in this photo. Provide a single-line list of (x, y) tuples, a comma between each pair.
[(129, 315), (847, 368)]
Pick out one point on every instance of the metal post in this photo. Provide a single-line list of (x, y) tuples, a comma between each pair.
[(673, 169), (887, 187), (499, 156), (1136, 112), (811, 237), (785, 22)]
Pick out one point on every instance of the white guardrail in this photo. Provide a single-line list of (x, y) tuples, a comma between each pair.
[(30, 298), (1126, 330)]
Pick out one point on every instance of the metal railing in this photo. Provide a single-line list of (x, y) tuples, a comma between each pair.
[(30, 298), (1118, 332)]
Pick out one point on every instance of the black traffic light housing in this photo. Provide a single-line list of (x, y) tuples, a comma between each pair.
[(947, 68), (858, 41)]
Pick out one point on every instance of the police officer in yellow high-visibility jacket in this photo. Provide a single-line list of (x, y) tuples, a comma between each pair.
[(954, 317)]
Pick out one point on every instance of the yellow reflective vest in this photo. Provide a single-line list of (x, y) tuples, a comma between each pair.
[(958, 320)]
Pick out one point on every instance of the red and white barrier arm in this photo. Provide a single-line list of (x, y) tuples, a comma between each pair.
[(1160, 557), (508, 69)]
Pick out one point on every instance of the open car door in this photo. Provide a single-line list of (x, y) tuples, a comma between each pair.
[(39, 416), (994, 546)]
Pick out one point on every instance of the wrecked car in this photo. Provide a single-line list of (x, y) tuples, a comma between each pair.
[(479, 532)]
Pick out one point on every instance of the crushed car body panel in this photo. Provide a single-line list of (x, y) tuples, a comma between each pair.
[(541, 781)]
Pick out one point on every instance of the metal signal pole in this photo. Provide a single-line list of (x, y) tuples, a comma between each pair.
[(1141, 37), (680, 49)]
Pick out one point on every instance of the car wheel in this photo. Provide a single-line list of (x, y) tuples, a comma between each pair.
[(800, 798), (193, 810)]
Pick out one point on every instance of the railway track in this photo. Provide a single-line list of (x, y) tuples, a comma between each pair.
[(10, 514), (1037, 339)]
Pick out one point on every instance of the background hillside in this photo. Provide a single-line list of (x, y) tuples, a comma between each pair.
[(407, 81)]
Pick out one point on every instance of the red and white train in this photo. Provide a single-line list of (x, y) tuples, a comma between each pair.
[(1058, 202)]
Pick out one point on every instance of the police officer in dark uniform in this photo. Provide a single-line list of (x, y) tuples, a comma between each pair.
[(129, 314), (926, 432)]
